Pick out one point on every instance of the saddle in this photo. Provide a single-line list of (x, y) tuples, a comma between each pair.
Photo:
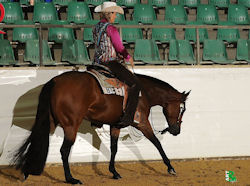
[(108, 82), (110, 85)]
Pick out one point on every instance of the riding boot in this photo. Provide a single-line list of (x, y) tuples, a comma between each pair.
[(128, 116)]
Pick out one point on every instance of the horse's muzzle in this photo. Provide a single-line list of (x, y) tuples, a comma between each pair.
[(174, 130)]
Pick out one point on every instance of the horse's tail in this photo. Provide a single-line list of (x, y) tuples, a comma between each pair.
[(30, 158)]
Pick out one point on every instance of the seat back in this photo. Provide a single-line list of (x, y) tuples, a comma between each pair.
[(13, 12), (94, 2), (127, 3), (238, 14), (189, 3), (207, 14), (6, 53), (246, 3), (58, 34), (176, 14), (190, 33), (215, 50), (44, 12), (243, 50), (88, 32), (31, 53), (131, 34), (147, 51), (163, 35), (181, 51), (22, 34), (119, 18), (159, 3), (75, 52), (63, 2), (144, 13), (220, 3), (228, 34), (78, 12)]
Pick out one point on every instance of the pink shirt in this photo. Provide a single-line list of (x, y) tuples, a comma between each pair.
[(116, 41)]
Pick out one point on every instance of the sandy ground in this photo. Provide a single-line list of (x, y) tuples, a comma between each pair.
[(149, 173)]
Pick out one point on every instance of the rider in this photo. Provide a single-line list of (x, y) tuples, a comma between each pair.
[(108, 46)]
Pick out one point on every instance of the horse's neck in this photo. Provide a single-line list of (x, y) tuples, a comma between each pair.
[(159, 95)]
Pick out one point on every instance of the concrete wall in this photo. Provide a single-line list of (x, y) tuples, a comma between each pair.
[(216, 123)]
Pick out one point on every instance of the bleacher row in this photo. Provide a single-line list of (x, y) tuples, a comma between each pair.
[(148, 45)]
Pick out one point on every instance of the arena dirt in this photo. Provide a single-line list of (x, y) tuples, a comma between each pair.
[(149, 173)]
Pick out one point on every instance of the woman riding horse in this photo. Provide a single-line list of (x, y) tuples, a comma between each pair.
[(108, 46)]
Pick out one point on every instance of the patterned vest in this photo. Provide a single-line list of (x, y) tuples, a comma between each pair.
[(104, 49)]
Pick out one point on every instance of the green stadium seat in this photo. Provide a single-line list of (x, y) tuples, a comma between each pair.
[(13, 12), (189, 3), (176, 14), (243, 50), (228, 34), (119, 18), (87, 32), (59, 34), (94, 2), (246, 3), (190, 33), (220, 3), (127, 3), (5, 1), (31, 53), (22, 34), (63, 2), (75, 52), (163, 35), (130, 35), (159, 3), (207, 14), (215, 50), (78, 12), (144, 13), (181, 51), (44, 13), (238, 14), (147, 51), (6, 53)]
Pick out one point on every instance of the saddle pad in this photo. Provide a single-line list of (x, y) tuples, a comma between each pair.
[(108, 85)]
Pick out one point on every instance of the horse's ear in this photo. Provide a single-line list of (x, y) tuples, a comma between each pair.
[(186, 94)]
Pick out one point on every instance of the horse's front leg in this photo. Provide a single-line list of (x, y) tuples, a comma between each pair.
[(146, 129), (114, 133)]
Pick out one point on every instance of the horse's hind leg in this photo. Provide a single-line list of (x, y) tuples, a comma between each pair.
[(148, 133), (65, 150), (114, 133)]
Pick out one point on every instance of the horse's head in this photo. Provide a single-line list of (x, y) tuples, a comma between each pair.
[(173, 112)]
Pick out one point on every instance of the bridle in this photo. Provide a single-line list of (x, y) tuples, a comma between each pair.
[(179, 119), (182, 110)]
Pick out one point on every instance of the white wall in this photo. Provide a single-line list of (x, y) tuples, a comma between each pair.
[(216, 123)]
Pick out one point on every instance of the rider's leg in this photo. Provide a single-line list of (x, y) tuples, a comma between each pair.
[(130, 79)]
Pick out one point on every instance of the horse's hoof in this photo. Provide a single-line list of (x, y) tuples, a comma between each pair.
[(26, 175), (172, 171), (117, 176), (74, 181)]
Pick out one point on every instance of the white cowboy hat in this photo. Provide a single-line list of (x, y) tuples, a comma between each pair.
[(109, 7)]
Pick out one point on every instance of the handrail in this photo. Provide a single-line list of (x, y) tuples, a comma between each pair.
[(40, 27)]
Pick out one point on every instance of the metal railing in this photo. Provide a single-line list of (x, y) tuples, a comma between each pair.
[(40, 27)]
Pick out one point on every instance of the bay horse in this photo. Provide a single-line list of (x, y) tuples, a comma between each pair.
[(69, 98)]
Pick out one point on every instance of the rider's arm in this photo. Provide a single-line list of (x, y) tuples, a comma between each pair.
[(117, 43)]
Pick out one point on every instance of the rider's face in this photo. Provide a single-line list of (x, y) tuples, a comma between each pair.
[(112, 17)]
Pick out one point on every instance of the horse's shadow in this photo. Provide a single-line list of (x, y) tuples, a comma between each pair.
[(24, 116)]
